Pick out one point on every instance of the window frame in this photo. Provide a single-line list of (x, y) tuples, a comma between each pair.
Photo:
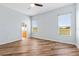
[(36, 26), (59, 26)]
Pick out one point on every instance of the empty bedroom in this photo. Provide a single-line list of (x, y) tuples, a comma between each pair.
[(39, 29)]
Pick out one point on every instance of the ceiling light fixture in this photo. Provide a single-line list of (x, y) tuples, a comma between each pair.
[(32, 5), (36, 4)]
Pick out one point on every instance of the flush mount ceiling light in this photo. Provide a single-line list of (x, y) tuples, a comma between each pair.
[(32, 5), (36, 4)]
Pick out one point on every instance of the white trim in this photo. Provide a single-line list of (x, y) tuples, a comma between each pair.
[(9, 42), (52, 40)]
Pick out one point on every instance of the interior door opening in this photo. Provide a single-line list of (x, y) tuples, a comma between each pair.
[(24, 31)]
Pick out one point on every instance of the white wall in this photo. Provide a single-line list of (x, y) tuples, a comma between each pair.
[(77, 25), (10, 24), (48, 25)]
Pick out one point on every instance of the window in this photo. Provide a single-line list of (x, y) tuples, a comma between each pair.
[(64, 24), (34, 26)]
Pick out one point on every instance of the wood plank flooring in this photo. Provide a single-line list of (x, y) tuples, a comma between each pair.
[(38, 47)]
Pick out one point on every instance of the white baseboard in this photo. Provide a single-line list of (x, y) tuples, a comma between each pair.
[(9, 42), (52, 40)]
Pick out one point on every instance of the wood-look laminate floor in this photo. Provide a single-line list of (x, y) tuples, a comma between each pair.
[(38, 47)]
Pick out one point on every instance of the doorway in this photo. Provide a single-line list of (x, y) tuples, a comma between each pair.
[(24, 31)]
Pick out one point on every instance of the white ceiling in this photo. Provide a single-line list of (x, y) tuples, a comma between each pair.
[(25, 7)]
